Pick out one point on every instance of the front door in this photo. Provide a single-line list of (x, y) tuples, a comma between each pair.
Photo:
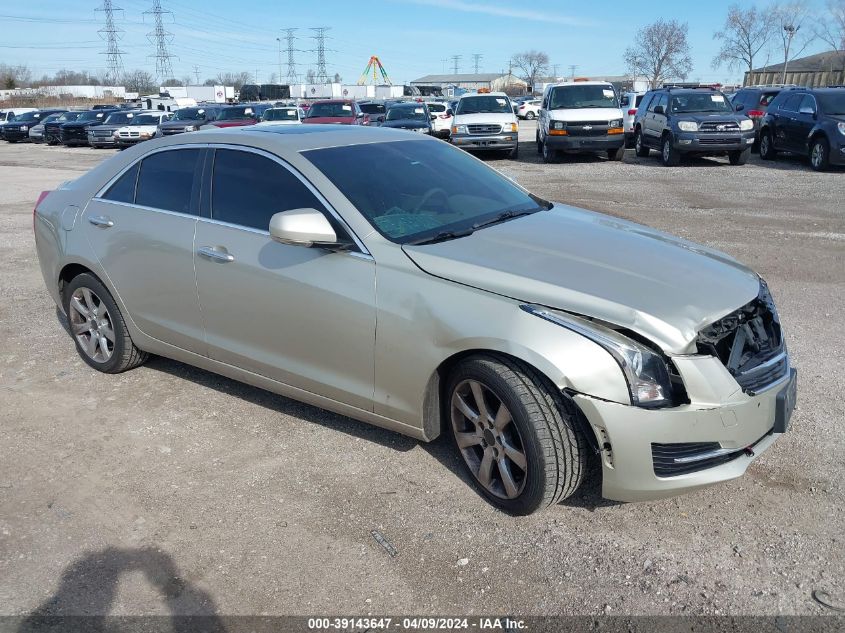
[(302, 316), (142, 231)]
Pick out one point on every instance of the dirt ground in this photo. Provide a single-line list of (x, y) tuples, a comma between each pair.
[(262, 505)]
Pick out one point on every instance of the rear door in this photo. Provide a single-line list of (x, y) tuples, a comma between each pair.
[(305, 317), (783, 124), (142, 231), (803, 122), (654, 122)]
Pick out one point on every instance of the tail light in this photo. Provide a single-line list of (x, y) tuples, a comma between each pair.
[(41, 197), (756, 113), (632, 111), (445, 116)]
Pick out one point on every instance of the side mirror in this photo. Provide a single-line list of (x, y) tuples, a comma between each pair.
[(739, 107), (302, 227), (659, 109)]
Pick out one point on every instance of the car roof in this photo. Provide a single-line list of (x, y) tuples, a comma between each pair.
[(581, 83), (483, 94)]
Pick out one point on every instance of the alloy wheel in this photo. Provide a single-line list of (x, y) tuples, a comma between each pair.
[(817, 155), (488, 439), (91, 324), (638, 143), (764, 145), (667, 151)]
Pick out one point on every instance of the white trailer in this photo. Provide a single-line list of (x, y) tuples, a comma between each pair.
[(389, 92)]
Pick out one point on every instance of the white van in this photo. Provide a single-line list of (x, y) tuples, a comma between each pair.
[(580, 117)]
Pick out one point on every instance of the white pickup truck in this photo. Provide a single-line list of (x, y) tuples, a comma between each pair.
[(486, 122)]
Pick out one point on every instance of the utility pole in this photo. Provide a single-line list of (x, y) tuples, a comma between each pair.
[(790, 31), (258, 81), (197, 73), (161, 38), (292, 76), (476, 61), (554, 70), (114, 59), (320, 35), (455, 63), (572, 68)]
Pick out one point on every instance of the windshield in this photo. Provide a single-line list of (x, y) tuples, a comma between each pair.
[(190, 114), (145, 119), (583, 96), (68, 116), (832, 102), (700, 102), (373, 108), (28, 116), (51, 118), (330, 110), (93, 115), (120, 118), (476, 105), (281, 114), (237, 114), (403, 113), (410, 190)]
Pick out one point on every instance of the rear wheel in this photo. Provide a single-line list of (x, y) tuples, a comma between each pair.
[(530, 116), (739, 157), (640, 148), (767, 146), (819, 154), (98, 328), (522, 451), (669, 155)]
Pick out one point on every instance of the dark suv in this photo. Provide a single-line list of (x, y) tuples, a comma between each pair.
[(18, 129), (753, 103), (699, 121), (190, 119), (806, 121), (76, 132)]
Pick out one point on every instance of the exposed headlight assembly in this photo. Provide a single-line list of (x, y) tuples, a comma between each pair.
[(688, 126), (24, 128), (557, 125), (841, 127), (615, 123), (746, 125), (459, 129), (646, 372)]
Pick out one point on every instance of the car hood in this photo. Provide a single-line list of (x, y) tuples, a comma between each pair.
[(701, 117), (330, 119), (183, 123), (657, 285), (412, 124), (484, 117), (273, 123), (234, 122), (585, 114), (138, 128)]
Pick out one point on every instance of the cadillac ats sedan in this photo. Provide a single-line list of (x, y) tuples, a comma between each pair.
[(399, 281)]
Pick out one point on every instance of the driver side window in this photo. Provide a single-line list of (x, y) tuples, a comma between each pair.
[(248, 189)]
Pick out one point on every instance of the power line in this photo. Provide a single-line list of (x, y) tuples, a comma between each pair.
[(322, 75), (197, 73), (476, 61), (293, 78), (456, 59), (161, 38), (114, 56), (572, 68)]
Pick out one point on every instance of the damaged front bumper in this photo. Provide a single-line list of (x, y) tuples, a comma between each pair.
[(655, 453)]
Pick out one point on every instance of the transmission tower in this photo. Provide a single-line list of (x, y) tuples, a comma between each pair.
[(456, 59), (322, 76), (289, 38), (110, 33), (476, 61), (197, 73), (161, 38)]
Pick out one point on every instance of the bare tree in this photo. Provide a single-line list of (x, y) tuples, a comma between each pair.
[(310, 76), (532, 65), (237, 80), (172, 82), (140, 81), (660, 52), (791, 20), (830, 28), (745, 34), (337, 78), (14, 76)]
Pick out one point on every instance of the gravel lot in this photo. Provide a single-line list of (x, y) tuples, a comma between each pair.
[(263, 505)]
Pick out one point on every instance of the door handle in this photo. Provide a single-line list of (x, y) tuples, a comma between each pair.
[(213, 253), (102, 221)]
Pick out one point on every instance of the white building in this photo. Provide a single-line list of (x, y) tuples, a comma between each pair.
[(67, 92)]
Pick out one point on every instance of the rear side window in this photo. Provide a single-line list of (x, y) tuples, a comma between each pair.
[(123, 190), (248, 189), (167, 180)]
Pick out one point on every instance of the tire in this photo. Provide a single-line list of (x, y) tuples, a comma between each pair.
[(549, 154), (83, 293), (739, 157), (536, 446), (640, 147), (514, 153), (668, 154), (767, 146), (616, 154), (819, 154), (539, 144), (530, 116)]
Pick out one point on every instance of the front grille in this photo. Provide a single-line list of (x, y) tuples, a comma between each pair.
[(98, 133), (169, 131), (749, 342), (484, 129), (671, 460), (74, 134), (719, 126), (734, 140), (587, 128)]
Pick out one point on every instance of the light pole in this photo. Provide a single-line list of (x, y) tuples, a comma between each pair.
[(279, 40), (790, 31)]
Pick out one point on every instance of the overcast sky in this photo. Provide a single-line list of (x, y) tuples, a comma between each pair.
[(412, 37)]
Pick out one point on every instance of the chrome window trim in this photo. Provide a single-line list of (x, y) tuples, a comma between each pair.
[(295, 172), (132, 205)]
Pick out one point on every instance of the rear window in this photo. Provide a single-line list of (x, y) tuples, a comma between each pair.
[(333, 110), (436, 107), (166, 180), (372, 108)]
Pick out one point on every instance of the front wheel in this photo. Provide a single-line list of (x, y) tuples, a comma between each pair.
[(514, 153), (97, 326), (671, 157), (509, 425), (549, 154), (739, 157), (820, 154), (616, 154)]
